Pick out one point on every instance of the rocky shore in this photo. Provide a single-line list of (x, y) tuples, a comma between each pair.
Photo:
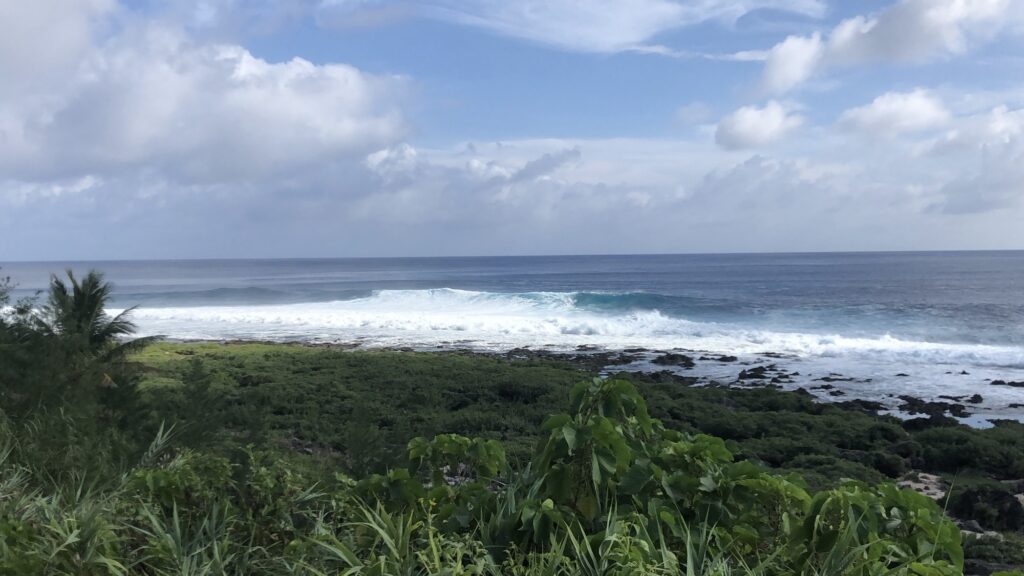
[(777, 371)]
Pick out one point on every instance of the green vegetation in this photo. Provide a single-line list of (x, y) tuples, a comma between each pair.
[(274, 459)]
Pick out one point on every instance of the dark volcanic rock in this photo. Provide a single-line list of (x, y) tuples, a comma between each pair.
[(665, 377), (837, 393), (585, 360), (912, 405), (720, 358), (994, 507), (868, 406), (1006, 383), (672, 359), (973, 399), (833, 378), (755, 373), (935, 421)]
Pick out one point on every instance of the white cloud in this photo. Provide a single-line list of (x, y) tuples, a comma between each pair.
[(791, 62), (898, 112), (910, 31), (988, 151), (751, 126), (41, 40), (916, 30), (154, 100)]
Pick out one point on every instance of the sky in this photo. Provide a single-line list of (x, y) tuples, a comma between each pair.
[(143, 129)]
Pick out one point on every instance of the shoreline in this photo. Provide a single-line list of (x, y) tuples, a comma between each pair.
[(974, 407)]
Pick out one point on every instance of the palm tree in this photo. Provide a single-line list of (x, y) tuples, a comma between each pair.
[(75, 314)]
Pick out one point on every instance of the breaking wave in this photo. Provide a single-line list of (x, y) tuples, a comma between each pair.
[(493, 320)]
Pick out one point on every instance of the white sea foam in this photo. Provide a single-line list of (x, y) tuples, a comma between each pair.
[(501, 321)]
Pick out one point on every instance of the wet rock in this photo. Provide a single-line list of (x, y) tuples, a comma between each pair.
[(912, 405), (755, 373), (833, 378), (592, 361), (672, 359), (867, 406), (837, 393), (903, 375), (1007, 383), (720, 358), (973, 399), (665, 377), (934, 421)]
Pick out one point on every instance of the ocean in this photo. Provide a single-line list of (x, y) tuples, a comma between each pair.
[(880, 325)]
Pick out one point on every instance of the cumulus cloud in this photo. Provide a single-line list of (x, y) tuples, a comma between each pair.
[(916, 30), (984, 132), (992, 178), (42, 40), (894, 113), (910, 31), (152, 99), (750, 126), (791, 62)]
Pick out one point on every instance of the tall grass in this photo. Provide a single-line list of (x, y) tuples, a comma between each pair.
[(185, 513)]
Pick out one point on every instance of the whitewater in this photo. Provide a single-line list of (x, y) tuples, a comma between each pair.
[(555, 320)]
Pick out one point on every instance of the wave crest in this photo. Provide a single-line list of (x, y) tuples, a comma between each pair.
[(561, 319)]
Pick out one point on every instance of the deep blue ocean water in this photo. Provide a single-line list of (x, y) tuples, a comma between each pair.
[(870, 315)]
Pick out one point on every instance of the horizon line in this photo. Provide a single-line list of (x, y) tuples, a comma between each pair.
[(477, 256)]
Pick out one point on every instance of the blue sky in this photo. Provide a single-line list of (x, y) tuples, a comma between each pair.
[(269, 128)]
